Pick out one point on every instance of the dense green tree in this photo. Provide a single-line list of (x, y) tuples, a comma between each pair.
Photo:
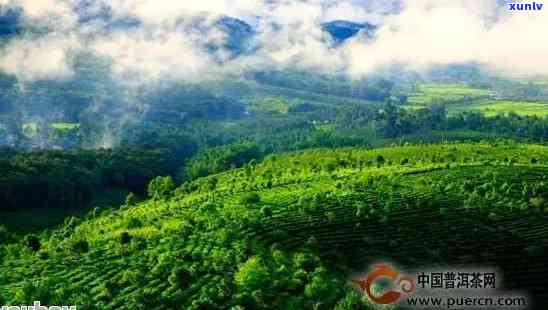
[(33, 242), (252, 275), (250, 198), (161, 188), (5, 235)]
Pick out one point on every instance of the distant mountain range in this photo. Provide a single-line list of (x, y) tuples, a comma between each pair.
[(9, 22), (342, 30), (239, 32)]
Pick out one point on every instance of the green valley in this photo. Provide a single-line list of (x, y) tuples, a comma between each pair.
[(293, 155), (288, 231)]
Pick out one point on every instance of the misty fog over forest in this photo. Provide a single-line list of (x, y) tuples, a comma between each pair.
[(271, 154)]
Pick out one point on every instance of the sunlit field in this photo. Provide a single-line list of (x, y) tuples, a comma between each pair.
[(502, 107)]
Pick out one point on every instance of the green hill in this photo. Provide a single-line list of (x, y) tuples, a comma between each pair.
[(286, 233)]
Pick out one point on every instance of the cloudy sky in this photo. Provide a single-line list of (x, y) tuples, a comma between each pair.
[(163, 43)]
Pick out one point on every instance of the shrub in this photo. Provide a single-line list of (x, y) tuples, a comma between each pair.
[(42, 254), (131, 199), (222, 158), (33, 243), (138, 244), (134, 222), (252, 275), (125, 238), (161, 187), (537, 202), (352, 301), (250, 198), (34, 290), (179, 278), (331, 166), (321, 288), (380, 160), (305, 261), (80, 246), (279, 235), (266, 211), (5, 235), (212, 183)]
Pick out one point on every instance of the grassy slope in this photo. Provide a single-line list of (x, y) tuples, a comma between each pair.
[(253, 91), (462, 98), (500, 107), (194, 250), (428, 94)]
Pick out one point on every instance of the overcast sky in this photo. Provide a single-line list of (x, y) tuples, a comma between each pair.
[(416, 33)]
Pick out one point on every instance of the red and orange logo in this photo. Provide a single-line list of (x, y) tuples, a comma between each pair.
[(402, 283)]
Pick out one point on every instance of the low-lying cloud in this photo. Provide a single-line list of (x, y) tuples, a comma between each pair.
[(44, 57), (157, 39), (446, 31)]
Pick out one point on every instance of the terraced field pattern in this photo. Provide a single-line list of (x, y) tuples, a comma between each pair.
[(287, 232), (428, 94), (492, 108)]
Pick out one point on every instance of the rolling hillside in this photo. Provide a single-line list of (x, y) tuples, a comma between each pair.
[(286, 233)]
